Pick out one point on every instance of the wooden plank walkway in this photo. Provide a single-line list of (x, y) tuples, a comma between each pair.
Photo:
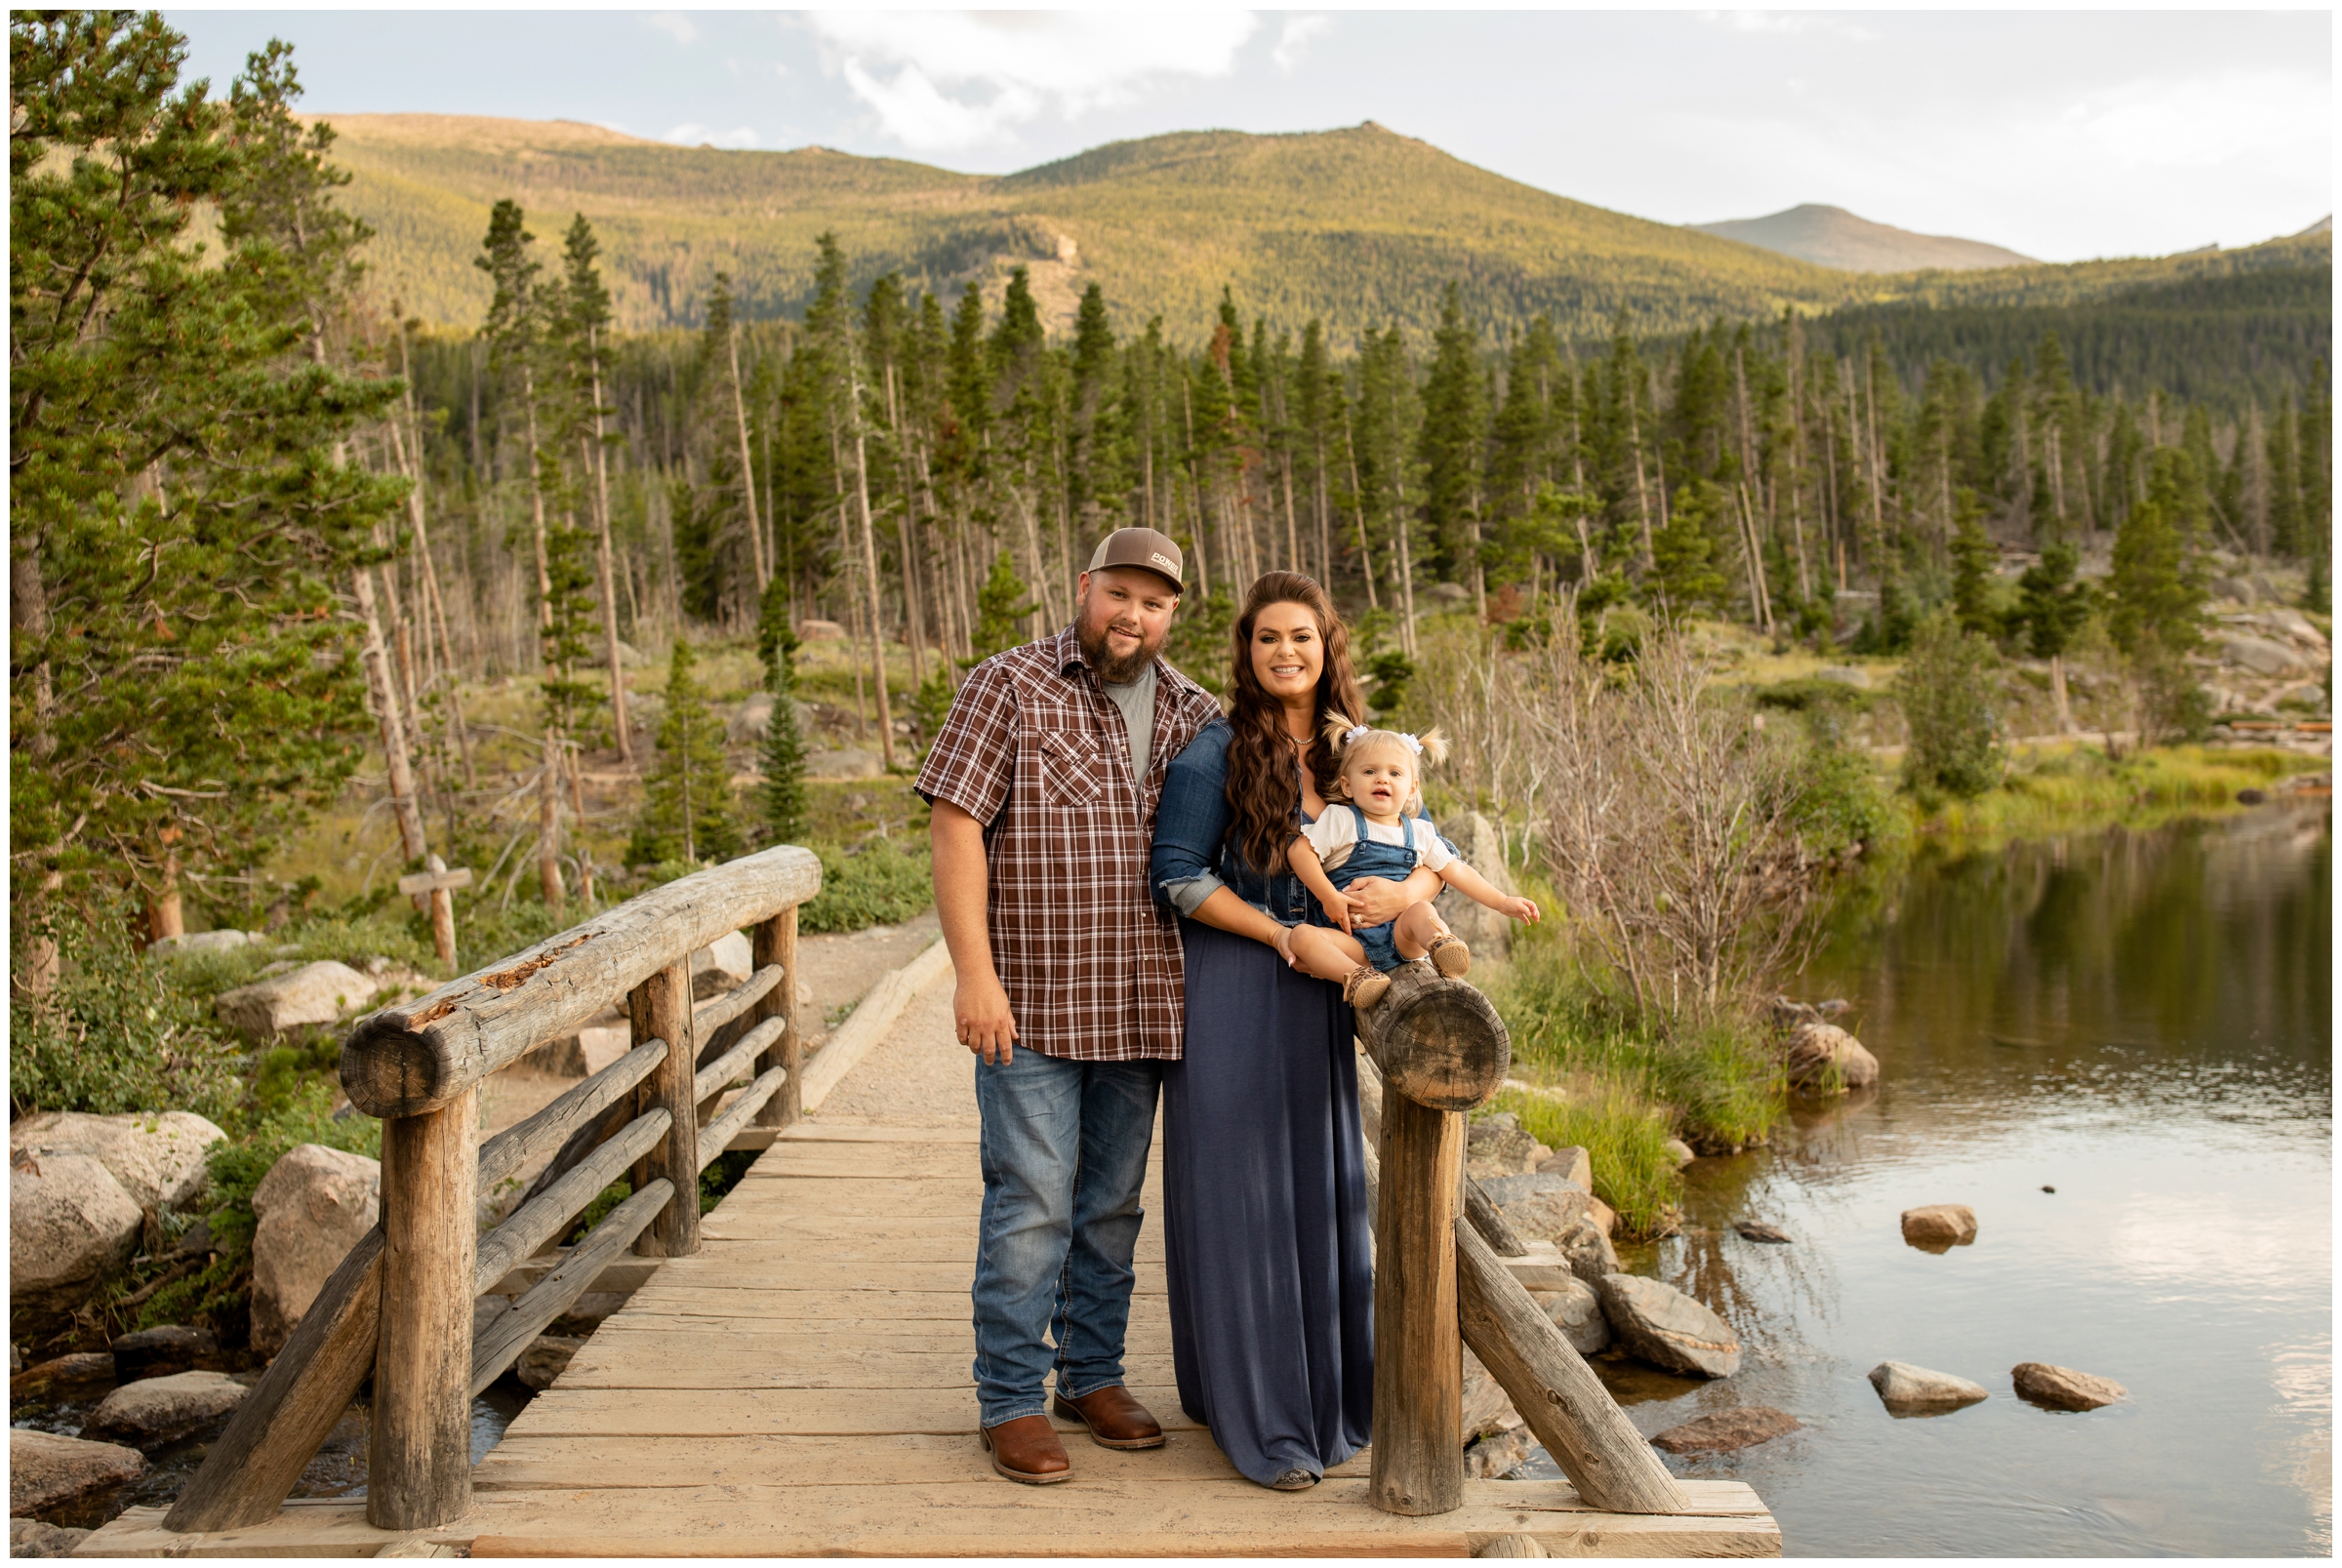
[(801, 1386)]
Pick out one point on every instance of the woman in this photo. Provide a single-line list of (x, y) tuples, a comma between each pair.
[(1265, 1230)]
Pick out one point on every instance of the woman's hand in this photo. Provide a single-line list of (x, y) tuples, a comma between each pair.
[(1374, 900), (1284, 944)]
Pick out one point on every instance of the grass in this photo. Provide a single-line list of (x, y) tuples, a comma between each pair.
[(1620, 1081), (2068, 788)]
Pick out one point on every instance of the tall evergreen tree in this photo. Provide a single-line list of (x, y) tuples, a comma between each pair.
[(687, 809), (783, 754), (1450, 445)]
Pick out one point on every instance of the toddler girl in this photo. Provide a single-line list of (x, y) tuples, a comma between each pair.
[(1369, 828)]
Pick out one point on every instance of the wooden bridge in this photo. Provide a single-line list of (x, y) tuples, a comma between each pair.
[(793, 1378)]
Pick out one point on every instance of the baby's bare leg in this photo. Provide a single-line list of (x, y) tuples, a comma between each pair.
[(1419, 926), (1326, 954)]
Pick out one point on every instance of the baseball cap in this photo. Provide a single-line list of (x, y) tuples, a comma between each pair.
[(1142, 547)]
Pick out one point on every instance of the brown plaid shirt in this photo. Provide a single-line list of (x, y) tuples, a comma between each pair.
[(1036, 751)]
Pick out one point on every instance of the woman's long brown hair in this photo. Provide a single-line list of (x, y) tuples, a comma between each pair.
[(1262, 790)]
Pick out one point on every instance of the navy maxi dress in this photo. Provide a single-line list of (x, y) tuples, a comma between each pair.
[(1266, 1233)]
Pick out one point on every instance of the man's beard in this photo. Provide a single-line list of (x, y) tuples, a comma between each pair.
[(1116, 671)]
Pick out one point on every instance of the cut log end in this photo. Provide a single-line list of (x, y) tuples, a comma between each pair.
[(1438, 1041)]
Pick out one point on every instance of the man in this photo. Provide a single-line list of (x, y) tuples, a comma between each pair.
[(1044, 782)]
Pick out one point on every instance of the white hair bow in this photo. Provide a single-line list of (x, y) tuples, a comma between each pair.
[(1353, 735), (1413, 744)]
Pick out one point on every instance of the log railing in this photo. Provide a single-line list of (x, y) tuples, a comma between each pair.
[(1437, 1049), (400, 1307)]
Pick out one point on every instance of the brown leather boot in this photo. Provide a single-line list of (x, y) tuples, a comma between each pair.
[(1116, 1420), (1026, 1450), (1365, 986)]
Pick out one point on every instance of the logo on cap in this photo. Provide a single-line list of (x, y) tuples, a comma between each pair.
[(1168, 565)]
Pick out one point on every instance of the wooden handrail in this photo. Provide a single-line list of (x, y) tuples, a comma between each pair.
[(414, 1056), (401, 1303)]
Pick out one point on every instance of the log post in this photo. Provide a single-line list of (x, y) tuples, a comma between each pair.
[(443, 916), (1553, 1387), (419, 1460), (659, 1009), (1418, 1350), (777, 943), (1438, 1041)]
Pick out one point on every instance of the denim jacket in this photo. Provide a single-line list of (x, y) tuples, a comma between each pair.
[(1194, 854)]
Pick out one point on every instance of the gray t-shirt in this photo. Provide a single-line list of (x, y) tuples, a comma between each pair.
[(1137, 702)]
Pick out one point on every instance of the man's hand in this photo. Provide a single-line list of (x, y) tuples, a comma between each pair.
[(980, 1009)]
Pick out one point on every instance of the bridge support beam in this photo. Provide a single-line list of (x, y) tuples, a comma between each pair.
[(419, 1455), (659, 1009), (1418, 1343)]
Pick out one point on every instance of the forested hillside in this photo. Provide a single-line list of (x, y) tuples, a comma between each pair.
[(1434, 390)]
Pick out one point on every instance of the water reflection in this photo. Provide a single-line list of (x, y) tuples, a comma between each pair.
[(2140, 1022)]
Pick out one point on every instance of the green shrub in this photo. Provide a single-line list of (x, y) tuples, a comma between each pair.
[(1622, 1132), (879, 884), (1946, 690), (118, 1032), (1841, 800)]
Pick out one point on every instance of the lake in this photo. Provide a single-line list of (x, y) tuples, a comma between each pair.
[(2140, 1021)]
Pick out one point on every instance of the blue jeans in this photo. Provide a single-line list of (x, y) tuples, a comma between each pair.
[(1065, 1154)]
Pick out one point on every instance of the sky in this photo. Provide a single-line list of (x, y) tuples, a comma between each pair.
[(2061, 135)]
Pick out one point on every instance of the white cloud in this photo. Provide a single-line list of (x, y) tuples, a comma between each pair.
[(2202, 123), (674, 25), (1298, 35), (689, 134), (963, 79)]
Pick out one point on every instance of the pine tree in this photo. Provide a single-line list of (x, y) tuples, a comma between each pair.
[(2051, 607), (1000, 607), (783, 754), (1683, 577), (183, 681), (1974, 555), (1449, 447), (687, 812)]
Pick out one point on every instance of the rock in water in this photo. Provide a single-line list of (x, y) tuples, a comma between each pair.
[(314, 993), (157, 1157), (1758, 1231), (2063, 1388), (1903, 1387), (1939, 1225), (30, 1538), (1681, 1152), (1667, 1328), (156, 1352), (1587, 1247), (158, 1409), (45, 1469), (546, 1358), (1743, 1427), (69, 1225), (1816, 1051), (719, 966), (313, 1206), (1578, 1313), (82, 1366)]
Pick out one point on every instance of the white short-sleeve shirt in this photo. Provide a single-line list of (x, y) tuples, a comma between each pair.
[(1335, 833)]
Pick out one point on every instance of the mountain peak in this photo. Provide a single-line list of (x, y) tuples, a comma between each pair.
[(1832, 237)]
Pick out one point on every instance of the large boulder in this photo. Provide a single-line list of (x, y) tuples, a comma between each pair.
[(162, 1410), (1571, 1164), (221, 941), (750, 719), (1488, 1408), (1822, 1056), (1660, 1324), (312, 1207), (1539, 1205), (1725, 1430), (1577, 1312), (314, 993), (2262, 656), (66, 1371), (1489, 932), (69, 1225), (2063, 1388), (1902, 1387), (721, 965), (157, 1156), (1497, 1146), (45, 1469), (587, 1052), (1498, 1454), (1936, 1227)]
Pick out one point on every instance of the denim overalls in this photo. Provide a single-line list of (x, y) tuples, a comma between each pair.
[(1372, 858)]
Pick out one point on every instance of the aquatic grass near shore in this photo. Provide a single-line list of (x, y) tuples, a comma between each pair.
[(1621, 1082), (2062, 789)]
